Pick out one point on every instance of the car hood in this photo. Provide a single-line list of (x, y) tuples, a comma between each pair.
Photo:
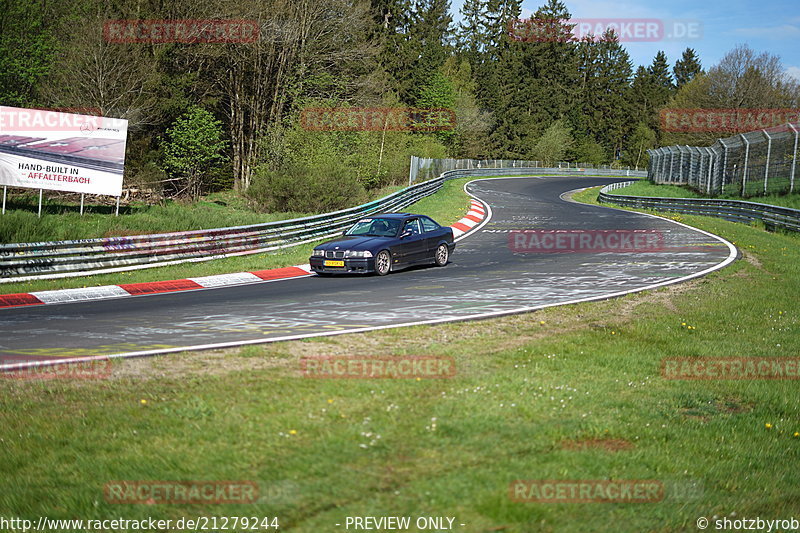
[(354, 243)]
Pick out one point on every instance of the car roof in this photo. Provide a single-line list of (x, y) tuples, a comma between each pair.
[(396, 215)]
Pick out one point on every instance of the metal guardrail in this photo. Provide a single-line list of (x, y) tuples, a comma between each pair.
[(772, 216), (423, 168), (44, 260)]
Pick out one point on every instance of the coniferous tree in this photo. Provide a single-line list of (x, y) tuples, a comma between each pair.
[(553, 65), (414, 45), (535, 80), (605, 91), (686, 68), (661, 79), (431, 31), (472, 35)]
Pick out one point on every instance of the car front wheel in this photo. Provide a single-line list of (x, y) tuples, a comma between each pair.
[(383, 263), (442, 255)]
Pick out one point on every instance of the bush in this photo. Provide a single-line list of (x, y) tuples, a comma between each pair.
[(305, 189)]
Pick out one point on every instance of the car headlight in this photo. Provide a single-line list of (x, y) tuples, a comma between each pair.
[(318, 253), (357, 253)]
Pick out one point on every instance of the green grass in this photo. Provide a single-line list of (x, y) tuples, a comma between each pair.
[(446, 206), (567, 393), (61, 221), (646, 188)]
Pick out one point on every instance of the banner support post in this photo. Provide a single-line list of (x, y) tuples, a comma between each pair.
[(81, 204), (5, 190), (117, 213), (40, 203)]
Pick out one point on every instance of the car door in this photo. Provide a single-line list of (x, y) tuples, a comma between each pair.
[(433, 234), (411, 248)]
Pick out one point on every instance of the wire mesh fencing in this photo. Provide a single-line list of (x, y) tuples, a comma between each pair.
[(755, 163), (423, 168)]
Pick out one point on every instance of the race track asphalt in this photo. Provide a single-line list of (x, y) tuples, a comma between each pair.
[(486, 276)]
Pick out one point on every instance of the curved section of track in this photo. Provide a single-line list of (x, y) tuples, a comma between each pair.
[(485, 278)]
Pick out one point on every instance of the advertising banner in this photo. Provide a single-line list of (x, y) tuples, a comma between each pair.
[(54, 150)]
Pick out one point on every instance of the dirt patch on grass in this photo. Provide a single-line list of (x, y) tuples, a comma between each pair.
[(609, 445), (704, 412), (206, 363), (753, 260)]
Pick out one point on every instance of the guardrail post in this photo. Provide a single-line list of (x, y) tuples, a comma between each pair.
[(671, 161), (705, 162), (712, 156), (655, 163), (766, 167), (746, 157), (794, 159), (724, 165)]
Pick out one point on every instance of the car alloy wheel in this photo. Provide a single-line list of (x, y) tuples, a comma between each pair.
[(442, 255), (383, 263)]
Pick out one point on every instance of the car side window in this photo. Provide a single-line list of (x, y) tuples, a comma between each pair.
[(429, 225), (412, 226)]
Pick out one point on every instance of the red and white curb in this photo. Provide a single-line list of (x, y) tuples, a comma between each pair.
[(473, 218), (139, 289), (475, 215)]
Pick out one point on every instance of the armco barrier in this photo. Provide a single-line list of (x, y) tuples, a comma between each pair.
[(42, 260), (772, 216)]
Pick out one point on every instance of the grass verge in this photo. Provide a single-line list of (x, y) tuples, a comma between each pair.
[(567, 393), (61, 220), (646, 188), (64, 222)]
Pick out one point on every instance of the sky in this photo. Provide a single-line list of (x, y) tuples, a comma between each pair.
[(711, 27)]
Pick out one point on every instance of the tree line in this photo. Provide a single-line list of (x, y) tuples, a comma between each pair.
[(210, 116)]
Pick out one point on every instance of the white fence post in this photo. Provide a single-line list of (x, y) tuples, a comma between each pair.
[(766, 166), (794, 159), (746, 157)]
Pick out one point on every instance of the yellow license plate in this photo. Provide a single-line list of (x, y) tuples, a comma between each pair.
[(334, 263)]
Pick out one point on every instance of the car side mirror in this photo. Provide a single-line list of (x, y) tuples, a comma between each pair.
[(344, 232)]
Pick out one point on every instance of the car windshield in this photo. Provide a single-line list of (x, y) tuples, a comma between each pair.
[(375, 227)]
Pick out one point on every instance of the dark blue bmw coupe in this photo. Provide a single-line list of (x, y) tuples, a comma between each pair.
[(383, 243)]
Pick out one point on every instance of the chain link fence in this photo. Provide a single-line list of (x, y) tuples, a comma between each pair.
[(423, 168), (755, 163)]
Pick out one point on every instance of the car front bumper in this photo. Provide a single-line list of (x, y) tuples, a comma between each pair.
[(352, 265)]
